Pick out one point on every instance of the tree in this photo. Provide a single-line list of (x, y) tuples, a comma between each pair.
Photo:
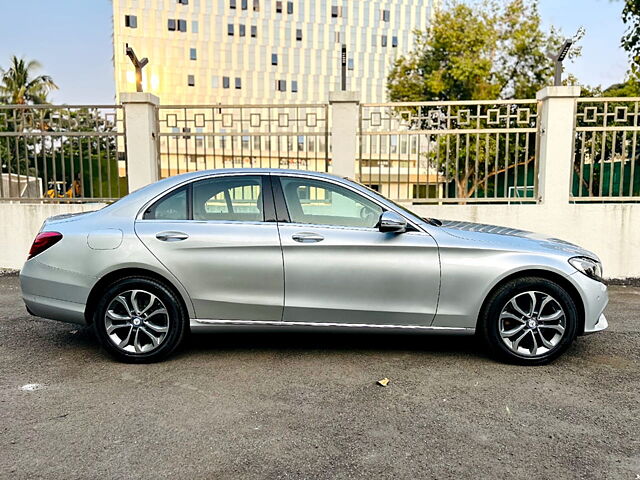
[(631, 39), (18, 85), (477, 52), (484, 51)]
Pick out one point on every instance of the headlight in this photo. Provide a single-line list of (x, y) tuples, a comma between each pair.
[(591, 268)]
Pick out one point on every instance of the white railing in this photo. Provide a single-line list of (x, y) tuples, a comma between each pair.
[(197, 137), (66, 153), (450, 152), (606, 164)]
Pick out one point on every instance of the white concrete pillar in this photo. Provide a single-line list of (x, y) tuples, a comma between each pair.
[(141, 119), (344, 132), (557, 117)]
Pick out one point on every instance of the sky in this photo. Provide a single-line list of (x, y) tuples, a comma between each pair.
[(72, 41)]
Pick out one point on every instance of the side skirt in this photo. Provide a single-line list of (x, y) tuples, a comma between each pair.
[(204, 325)]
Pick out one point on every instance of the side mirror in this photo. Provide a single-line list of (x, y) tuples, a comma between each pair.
[(392, 222)]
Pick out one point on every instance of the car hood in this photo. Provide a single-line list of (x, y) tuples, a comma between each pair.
[(512, 238)]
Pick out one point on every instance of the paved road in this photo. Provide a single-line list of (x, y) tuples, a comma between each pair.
[(306, 406)]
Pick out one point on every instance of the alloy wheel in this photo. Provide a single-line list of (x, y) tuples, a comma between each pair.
[(136, 321), (532, 323)]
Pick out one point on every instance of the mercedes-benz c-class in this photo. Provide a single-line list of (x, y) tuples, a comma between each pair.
[(280, 248)]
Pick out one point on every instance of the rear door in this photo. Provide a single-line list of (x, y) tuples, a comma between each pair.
[(219, 237), (339, 268)]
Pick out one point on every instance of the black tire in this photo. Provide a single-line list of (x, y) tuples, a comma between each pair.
[(489, 323), (177, 320)]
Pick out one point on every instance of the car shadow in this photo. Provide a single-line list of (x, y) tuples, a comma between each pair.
[(310, 340)]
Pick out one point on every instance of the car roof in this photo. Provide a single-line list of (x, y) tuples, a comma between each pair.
[(138, 197), (131, 204)]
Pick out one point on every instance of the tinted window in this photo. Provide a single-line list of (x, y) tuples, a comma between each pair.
[(171, 207), (322, 203), (228, 198)]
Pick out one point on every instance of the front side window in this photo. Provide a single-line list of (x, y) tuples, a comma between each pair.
[(228, 198), (322, 203)]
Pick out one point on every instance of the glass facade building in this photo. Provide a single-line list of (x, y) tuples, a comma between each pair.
[(275, 51)]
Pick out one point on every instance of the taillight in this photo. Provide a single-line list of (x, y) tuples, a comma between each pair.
[(43, 241)]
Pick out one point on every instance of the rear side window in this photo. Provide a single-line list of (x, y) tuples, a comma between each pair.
[(236, 198), (229, 198), (170, 207)]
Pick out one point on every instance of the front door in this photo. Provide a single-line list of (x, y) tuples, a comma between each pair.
[(215, 237), (339, 268)]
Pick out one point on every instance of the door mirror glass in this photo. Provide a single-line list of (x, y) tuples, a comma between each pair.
[(392, 222)]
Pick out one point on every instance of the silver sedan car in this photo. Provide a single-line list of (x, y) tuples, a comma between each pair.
[(280, 248)]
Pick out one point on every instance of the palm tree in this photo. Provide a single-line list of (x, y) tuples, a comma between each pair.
[(18, 86)]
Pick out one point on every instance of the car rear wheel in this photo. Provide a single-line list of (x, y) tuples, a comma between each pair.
[(529, 321), (139, 320)]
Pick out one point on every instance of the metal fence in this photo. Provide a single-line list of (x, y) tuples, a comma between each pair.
[(62, 153), (606, 164), (450, 152), (197, 137)]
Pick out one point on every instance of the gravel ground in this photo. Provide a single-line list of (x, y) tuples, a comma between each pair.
[(302, 405)]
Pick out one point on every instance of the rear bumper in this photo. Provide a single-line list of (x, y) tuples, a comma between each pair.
[(54, 309), (53, 292)]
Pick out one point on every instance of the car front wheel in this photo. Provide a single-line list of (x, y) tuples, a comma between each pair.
[(139, 320), (529, 321)]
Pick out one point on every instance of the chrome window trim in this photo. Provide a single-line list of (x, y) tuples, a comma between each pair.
[(320, 178)]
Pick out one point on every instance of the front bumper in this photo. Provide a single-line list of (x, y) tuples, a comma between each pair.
[(595, 299), (600, 325)]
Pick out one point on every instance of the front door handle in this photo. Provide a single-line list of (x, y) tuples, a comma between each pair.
[(307, 237), (171, 236)]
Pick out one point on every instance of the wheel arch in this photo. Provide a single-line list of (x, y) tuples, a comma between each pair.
[(569, 287), (121, 273)]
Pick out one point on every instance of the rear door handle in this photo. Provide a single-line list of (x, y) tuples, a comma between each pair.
[(171, 236), (307, 237)]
